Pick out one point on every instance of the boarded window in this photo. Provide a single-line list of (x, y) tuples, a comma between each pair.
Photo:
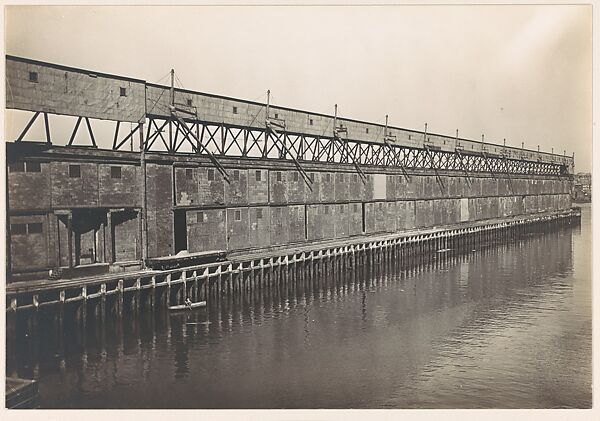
[(278, 175), (123, 91), (115, 172), (74, 171), (18, 229), (258, 213), (211, 174), (17, 167), (237, 215), (189, 173), (33, 77), (34, 167), (258, 175), (34, 228), (236, 175), (235, 110), (295, 176)]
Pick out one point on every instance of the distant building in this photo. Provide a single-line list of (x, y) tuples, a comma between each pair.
[(582, 187)]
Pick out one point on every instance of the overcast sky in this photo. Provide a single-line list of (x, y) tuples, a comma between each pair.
[(517, 72)]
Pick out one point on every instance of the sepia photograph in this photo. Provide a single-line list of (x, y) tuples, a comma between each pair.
[(297, 207)]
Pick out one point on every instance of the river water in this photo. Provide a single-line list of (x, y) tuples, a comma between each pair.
[(504, 327)]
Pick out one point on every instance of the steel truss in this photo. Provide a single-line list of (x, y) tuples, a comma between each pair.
[(179, 135)]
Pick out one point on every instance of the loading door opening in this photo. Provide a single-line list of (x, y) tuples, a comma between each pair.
[(180, 230), (364, 218)]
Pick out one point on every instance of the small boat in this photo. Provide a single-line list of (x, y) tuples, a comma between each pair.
[(188, 307)]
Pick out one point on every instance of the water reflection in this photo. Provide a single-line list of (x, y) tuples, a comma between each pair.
[(508, 326)]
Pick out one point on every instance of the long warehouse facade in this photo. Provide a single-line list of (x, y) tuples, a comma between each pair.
[(217, 173)]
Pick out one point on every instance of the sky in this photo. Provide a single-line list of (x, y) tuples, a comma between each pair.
[(520, 73)]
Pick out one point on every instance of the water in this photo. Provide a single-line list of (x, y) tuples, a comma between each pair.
[(505, 327)]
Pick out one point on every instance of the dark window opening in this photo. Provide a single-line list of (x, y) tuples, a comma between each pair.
[(258, 213), (17, 167), (34, 167), (278, 175), (211, 174), (34, 228), (276, 115), (123, 91), (409, 137), (189, 102), (115, 172), (200, 217), (236, 175), (367, 129), (237, 215), (18, 229), (189, 173), (310, 121), (258, 175), (235, 110), (295, 176), (33, 77), (74, 171)]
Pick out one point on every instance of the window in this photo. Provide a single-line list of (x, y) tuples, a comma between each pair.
[(189, 102), (258, 213), (34, 167), (278, 175), (189, 173), (381, 206), (123, 91), (355, 178), (18, 229), (33, 77), (17, 167), (34, 228), (235, 110), (211, 174), (295, 176), (276, 115), (409, 137), (258, 175), (200, 217), (367, 130), (310, 121), (237, 215), (326, 209), (328, 178), (115, 172), (312, 176), (341, 209), (74, 171), (236, 175)]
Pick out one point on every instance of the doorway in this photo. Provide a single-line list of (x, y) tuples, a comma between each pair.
[(180, 230)]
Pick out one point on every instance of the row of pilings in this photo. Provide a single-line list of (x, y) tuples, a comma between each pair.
[(328, 267)]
